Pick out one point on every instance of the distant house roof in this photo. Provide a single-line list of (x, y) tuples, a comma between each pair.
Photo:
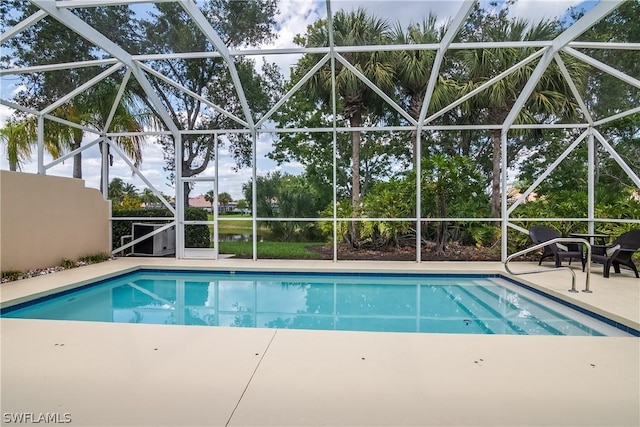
[(199, 202)]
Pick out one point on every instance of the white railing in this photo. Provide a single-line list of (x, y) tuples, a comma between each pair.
[(550, 242)]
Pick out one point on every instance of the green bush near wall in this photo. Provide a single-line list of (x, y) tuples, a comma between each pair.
[(196, 236)]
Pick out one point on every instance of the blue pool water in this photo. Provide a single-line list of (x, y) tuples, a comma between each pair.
[(390, 303)]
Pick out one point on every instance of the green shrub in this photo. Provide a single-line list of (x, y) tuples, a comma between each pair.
[(11, 274), (196, 236), (67, 263), (95, 258)]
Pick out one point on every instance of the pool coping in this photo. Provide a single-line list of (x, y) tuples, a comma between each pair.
[(136, 374)]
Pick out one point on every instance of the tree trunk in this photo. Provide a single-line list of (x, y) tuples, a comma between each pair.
[(442, 227), (77, 159), (496, 137), (187, 191), (356, 121), (415, 105), (104, 175)]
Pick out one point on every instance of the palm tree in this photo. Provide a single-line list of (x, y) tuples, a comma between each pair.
[(92, 109), (551, 97), (148, 198), (20, 136), (18, 139), (116, 190), (225, 198), (413, 70), (355, 28), (210, 197)]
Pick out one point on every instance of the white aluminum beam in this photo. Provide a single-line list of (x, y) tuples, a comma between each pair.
[(374, 88), (70, 124), (588, 20), (324, 51), (69, 96), (604, 67), (137, 171), (451, 32), (334, 123), (485, 85), (599, 11), (193, 94), (547, 172), (446, 41), (72, 153), (574, 89), (199, 19), (19, 107), (503, 194), (293, 90), (633, 175), (591, 183), (116, 101), (56, 67), (96, 3), (41, 169), (605, 45), (72, 21), (617, 116), (22, 25)]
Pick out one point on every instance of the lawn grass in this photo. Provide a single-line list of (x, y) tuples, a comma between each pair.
[(234, 222), (278, 250)]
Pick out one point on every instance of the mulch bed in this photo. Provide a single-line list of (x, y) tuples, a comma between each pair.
[(453, 252)]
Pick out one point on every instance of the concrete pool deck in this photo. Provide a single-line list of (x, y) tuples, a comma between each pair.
[(125, 374)]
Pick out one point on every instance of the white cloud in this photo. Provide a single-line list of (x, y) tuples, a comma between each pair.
[(538, 10)]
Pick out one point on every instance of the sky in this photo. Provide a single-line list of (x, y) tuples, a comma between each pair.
[(293, 18)]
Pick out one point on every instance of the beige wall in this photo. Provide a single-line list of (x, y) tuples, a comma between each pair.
[(44, 219)]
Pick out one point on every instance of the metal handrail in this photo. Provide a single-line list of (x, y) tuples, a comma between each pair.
[(547, 243)]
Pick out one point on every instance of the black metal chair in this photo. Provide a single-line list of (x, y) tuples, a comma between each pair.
[(619, 252), (559, 252)]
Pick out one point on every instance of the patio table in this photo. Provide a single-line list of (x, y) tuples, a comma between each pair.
[(591, 237)]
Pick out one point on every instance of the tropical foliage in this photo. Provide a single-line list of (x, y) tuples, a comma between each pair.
[(376, 174)]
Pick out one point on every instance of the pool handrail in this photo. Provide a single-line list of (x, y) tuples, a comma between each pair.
[(549, 242)]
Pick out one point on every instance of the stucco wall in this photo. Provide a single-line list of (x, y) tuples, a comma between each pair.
[(44, 219)]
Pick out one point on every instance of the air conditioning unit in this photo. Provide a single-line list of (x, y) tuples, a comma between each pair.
[(163, 243)]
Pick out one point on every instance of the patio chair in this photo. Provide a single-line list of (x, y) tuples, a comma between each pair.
[(619, 252), (559, 252)]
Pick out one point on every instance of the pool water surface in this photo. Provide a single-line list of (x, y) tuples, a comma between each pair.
[(353, 302)]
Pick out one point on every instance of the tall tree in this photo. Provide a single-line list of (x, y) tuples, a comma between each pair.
[(171, 30), (356, 28), (413, 70), (551, 98)]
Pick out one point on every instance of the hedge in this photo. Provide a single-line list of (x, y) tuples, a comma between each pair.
[(196, 236)]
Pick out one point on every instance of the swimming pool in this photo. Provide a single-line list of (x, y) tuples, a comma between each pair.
[(462, 304)]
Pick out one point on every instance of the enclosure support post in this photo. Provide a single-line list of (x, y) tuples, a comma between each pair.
[(41, 145), (216, 224), (254, 197), (104, 152), (179, 216), (591, 159), (335, 133), (503, 195)]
